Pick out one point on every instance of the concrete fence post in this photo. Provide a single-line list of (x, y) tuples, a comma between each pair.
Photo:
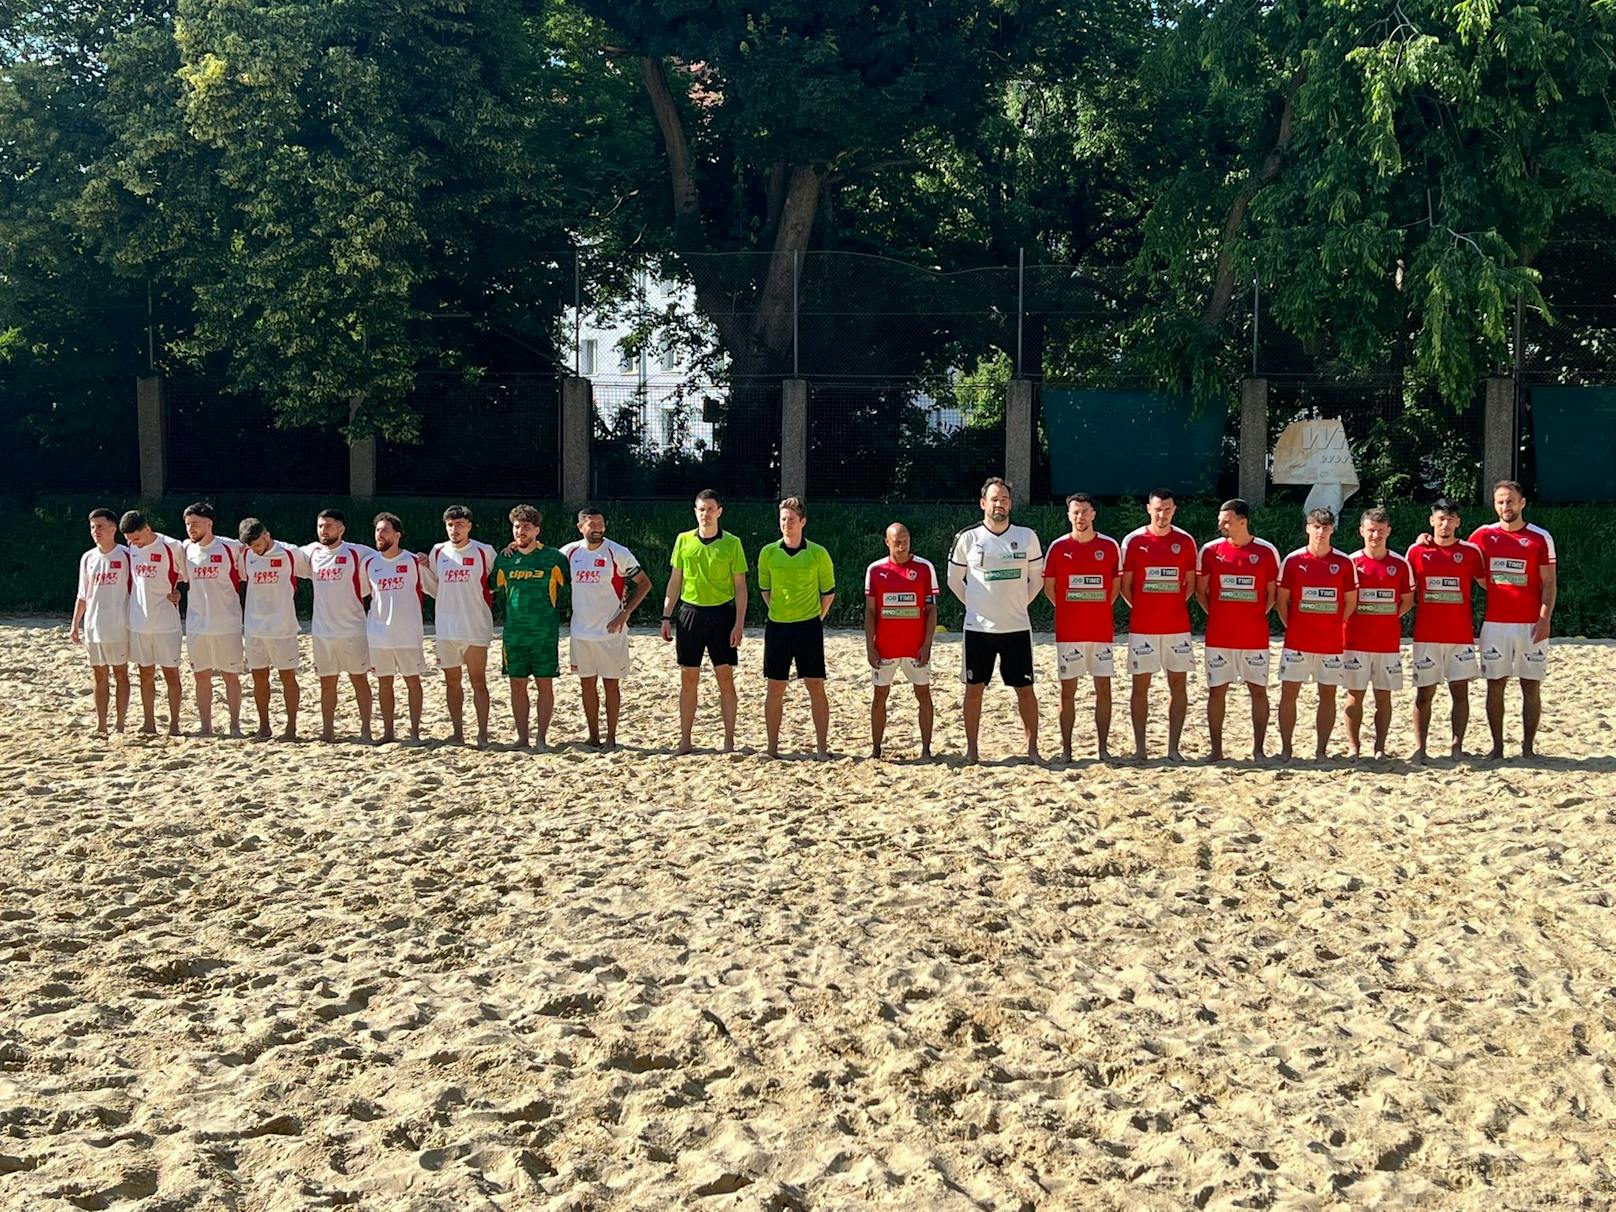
[(151, 421), (1254, 441), (577, 437), (1499, 441), (794, 438), (1018, 438), (361, 457)]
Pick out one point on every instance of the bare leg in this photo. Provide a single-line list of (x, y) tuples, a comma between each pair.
[(1289, 692), (1424, 698), (292, 697), (613, 689), (412, 688), (924, 706), (1102, 718), (1259, 720), (1325, 722), (1383, 720), (1217, 703), (819, 708), (477, 671), (519, 709), (384, 693), (232, 700), (328, 708), (1068, 716), (1354, 714), (454, 691), (1461, 714), (1531, 715), (204, 702), (103, 696), (545, 712), (689, 686), (361, 688), (878, 718), (1495, 714), (171, 675), (727, 702), (1027, 701), (973, 719), (774, 709), (1139, 708), (120, 678), (260, 692), (589, 692), (148, 699), (1178, 707)]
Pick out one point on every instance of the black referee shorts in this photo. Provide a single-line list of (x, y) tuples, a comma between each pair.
[(1012, 650), (786, 644), (704, 631)]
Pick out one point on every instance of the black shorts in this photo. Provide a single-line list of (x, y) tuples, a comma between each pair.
[(785, 644), (1011, 649), (704, 631)]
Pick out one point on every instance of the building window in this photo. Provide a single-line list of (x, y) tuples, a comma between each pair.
[(666, 361), (589, 355), (627, 362)]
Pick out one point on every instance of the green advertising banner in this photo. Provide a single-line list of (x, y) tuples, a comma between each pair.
[(1124, 443), (1574, 437)]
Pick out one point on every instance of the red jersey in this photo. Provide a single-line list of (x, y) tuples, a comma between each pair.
[(1442, 580), (1318, 585), (1237, 592), (1515, 562), (1163, 568), (1084, 574), (901, 593), (1376, 626)]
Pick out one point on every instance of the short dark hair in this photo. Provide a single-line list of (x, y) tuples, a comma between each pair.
[(526, 513), (200, 509), (1443, 505), (996, 482), (457, 513), (133, 521), (392, 519), (1378, 514), (707, 494), (1162, 494), (1321, 515), (1074, 498), (336, 515), (251, 530), (1237, 506), (1513, 485), (590, 511), (103, 513)]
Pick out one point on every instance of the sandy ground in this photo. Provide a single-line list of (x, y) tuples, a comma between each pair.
[(254, 976)]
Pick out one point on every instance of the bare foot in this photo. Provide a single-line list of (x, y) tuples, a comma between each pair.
[(1495, 754), (329, 735), (971, 756), (1419, 756), (261, 734), (1216, 755), (1103, 753), (1066, 753), (173, 730), (1527, 750), (1173, 755), (875, 751), (289, 734), (925, 753), (1380, 755), (684, 749)]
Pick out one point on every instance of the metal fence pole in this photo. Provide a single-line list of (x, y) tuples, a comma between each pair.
[(1256, 321), (1021, 302), (796, 279), (577, 313)]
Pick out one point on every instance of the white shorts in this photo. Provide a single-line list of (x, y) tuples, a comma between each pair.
[(1372, 670), (341, 654), (1325, 668), (1225, 666), (160, 648), (452, 653), (913, 672), (1160, 653), (397, 662), (1084, 658), (107, 652), (606, 658), (215, 653), (1507, 651), (1435, 663), (272, 652)]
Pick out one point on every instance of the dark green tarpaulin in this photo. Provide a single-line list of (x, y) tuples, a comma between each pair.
[(1574, 435), (1124, 443)]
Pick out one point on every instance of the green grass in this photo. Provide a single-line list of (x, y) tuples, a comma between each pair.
[(42, 545)]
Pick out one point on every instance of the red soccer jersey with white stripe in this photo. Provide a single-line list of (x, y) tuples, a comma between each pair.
[(1163, 568), (1515, 560), (1442, 580), (1376, 626), (1318, 586), (1237, 592), (901, 593), (1084, 574)]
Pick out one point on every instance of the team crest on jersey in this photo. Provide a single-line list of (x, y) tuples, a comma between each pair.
[(1526, 542), (910, 573), (1458, 558), (1335, 568), (1252, 557), (1176, 548), (1014, 545), (1099, 555)]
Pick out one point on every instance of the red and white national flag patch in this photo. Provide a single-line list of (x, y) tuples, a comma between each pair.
[(115, 564), (600, 563), (274, 563), (216, 558), (402, 568), (468, 561), (342, 559)]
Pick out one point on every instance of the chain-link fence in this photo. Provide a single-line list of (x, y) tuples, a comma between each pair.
[(497, 435), (672, 439), (219, 441)]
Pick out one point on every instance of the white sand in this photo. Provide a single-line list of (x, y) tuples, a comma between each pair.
[(257, 977)]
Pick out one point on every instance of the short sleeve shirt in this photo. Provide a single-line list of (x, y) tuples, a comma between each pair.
[(600, 580), (1000, 570), (270, 612), (901, 593), (1443, 577), (1318, 585), (340, 588), (1163, 568), (1238, 578), (795, 580), (1084, 575), (158, 568), (530, 583), (463, 608), (104, 583), (398, 585), (1376, 626), (709, 568), (213, 603), (1515, 560)]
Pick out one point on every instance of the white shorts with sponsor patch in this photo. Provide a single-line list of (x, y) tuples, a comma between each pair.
[(1325, 668), (107, 652), (593, 658), (1435, 663), (341, 654), (1372, 670), (1507, 651), (397, 662), (215, 653), (159, 648), (452, 653), (1225, 666), (1084, 658), (913, 672), (277, 652), (1160, 653)]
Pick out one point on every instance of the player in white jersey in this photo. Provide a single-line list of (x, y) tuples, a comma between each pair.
[(398, 582), (603, 572), (463, 618), (158, 568), (269, 619), (101, 616), (337, 632), (213, 615)]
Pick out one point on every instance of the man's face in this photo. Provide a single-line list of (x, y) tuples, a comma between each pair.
[(197, 528), (387, 536), (1507, 504), (1320, 533), (1161, 512), (524, 534), (458, 530), (593, 529), (996, 504), (103, 532), (1375, 534), (899, 545), (329, 531), (791, 524), (261, 544), (143, 537), (1445, 525), (1081, 515), (708, 513), (1229, 523)]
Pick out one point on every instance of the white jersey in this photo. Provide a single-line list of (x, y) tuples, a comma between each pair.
[(271, 612), (339, 589), (1000, 574), (213, 605), (465, 604), (397, 586), (104, 585), (599, 585), (158, 569)]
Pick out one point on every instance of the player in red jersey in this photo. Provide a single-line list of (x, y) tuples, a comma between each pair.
[(1158, 579), (1374, 657), (1445, 569), (1236, 584), (900, 621), (1082, 577), (1521, 592), (1318, 591)]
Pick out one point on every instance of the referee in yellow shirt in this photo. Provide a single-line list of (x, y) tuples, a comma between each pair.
[(704, 611), (799, 584)]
